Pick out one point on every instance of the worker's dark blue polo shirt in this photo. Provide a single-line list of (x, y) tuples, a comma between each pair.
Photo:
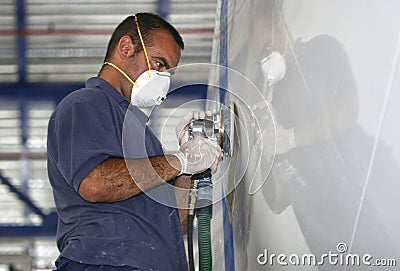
[(86, 129)]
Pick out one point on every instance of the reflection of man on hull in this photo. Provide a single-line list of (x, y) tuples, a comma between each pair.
[(321, 164), (313, 107), (318, 146), (313, 96)]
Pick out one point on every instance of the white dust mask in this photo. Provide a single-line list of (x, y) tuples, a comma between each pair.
[(150, 88), (273, 67)]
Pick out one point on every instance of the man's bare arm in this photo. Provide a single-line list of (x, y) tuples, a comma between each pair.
[(111, 180), (182, 186)]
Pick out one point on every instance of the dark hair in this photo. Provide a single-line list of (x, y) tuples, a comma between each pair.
[(148, 23)]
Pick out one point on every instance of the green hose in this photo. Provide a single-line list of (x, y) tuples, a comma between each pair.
[(204, 239)]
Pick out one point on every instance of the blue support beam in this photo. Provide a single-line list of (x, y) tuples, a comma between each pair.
[(223, 82), (164, 8), (21, 196), (21, 40), (49, 221), (23, 92), (48, 228), (37, 91), (57, 91)]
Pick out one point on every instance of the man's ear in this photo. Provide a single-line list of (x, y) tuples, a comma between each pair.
[(125, 47)]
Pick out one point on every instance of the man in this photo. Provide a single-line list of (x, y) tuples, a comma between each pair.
[(107, 220)]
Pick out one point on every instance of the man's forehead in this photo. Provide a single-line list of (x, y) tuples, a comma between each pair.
[(163, 45)]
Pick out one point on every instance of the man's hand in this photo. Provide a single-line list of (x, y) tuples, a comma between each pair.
[(199, 154), (182, 129)]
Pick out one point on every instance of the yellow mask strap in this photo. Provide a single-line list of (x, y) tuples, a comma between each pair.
[(122, 72), (144, 48)]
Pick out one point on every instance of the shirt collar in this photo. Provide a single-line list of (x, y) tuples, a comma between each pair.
[(97, 82), (108, 89)]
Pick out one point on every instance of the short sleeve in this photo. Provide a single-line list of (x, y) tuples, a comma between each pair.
[(83, 138)]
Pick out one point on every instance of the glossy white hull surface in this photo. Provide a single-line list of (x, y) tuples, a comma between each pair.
[(328, 198)]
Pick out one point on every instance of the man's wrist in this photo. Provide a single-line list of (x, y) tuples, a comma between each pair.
[(178, 161)]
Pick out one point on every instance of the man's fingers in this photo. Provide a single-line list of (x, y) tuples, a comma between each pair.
[(211, 113), (185, 120), (199, 115), (180, 129)]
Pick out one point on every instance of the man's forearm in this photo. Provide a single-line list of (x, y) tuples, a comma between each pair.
[(182, 186), (117, 179)]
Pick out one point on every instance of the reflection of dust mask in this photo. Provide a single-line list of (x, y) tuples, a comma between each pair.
[(151, 86), (273, 67)]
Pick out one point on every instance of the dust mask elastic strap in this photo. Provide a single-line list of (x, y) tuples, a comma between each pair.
[(122, 72), (144, 47), (145, 53)]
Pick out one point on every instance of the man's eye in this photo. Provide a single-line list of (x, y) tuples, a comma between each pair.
[(160, 65)]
